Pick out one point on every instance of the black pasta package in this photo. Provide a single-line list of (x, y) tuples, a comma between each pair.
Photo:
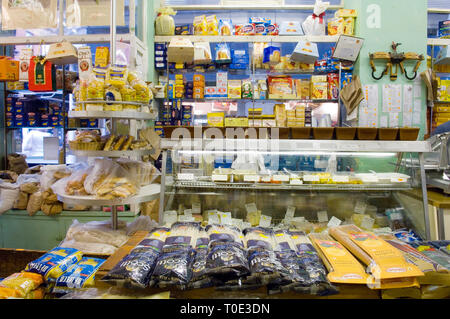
[(134, 270), (311, 263), (226, 261), (224, 234), (173, 269), (183, 234), (200, 277)]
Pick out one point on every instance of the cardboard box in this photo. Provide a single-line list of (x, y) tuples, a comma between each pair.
[(305, 52), (346, 13), (180, 50), (305, 89), (199, 78), (318, 78), (198, 95), (216, 119), (444, 29), (290, 114), (210, 92), (222, 79), (443, 56), (236, 121), (222, 92)]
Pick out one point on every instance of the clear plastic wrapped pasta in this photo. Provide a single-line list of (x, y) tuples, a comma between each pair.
[(23, 283)]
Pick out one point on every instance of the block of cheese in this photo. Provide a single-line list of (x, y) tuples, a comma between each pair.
[(385, 262), (342, 266)]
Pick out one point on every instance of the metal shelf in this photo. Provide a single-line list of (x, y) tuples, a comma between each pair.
[(251, 38), (146, 194), (298, 146), (113, 154), (112, 114), (281, 187), (224, 99)]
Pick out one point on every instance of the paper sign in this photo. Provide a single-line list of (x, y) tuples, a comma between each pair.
[(265, 221), (334, 222), (184, 218), (393, 120), (367, 222), (251, 178), (384, 121), (360, 207), (407, 119), (296, 182), (311, 178), (290, 212), (341, 179), (322, 216), (246, 225), (213, 218), (281, 178), (251, 208), (196, 208), (51, 148), (188, 212), (225, 218), (186, 176), (170, 217), (219, 178)]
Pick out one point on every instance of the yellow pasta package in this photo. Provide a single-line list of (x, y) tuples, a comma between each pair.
[(23, 283), (212, 25), (200, 25)]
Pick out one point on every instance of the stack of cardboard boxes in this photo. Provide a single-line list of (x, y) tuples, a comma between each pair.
[(199, 86)]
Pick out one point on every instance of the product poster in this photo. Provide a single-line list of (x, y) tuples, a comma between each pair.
[(89, 13), (29, 14)]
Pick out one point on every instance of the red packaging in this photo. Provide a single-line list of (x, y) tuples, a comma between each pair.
[(259, 28), (245, 29), (41, 75), (333, 86)]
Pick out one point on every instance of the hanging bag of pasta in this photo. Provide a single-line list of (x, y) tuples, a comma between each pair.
[(315, 23), (41, 75), (165, 24)]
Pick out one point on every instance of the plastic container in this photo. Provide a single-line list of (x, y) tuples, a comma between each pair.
[(301, 133), (367, 133), (345, 133), (409, 134), (323, 133), (387, 134)]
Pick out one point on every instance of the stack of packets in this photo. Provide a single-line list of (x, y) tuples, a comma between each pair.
[(343, 22), (58, 271), (109, 83)]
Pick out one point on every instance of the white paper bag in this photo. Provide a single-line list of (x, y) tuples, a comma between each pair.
[(315, 23)]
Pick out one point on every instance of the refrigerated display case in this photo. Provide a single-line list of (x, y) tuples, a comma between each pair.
[(304, 183)]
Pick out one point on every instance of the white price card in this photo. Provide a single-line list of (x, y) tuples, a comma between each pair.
[(213, 218), (360, 207), (334, 222), (311, 178), (246, 225), (341, 179), (225, 218), (367, 222), (188, 212), (290, 212), (185, 176), (322, 216), (265, 221), (296, 182), (251, 178), (281, 178), (170, 217), (196, 208), (219, 178), (251, 208)]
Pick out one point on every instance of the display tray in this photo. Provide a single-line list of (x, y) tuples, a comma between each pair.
[(112, 114), (115, 154), (345, 291), (147, 193)]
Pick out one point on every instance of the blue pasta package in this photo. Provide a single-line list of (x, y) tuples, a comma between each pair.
[(54, 263)]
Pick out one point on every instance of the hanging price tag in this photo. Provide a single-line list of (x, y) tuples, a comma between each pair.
[(225, 218)]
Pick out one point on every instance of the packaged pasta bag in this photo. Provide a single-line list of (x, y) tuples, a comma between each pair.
[(8, 293), (23, 283), (143, 93), (112, 94), (79, 275), (310, 262), (212, 25), (136, 268), (247, 89), (272, 55), (223, 53), (54, 263), (73, 185), (226, 27), (128, 95), (182, 235), (164, 23), (200, 277), (200, 25), (258, 54), (224, 233), (173, 268)]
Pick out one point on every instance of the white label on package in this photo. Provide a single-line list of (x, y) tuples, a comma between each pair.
[(246, 225), (225, 218), (290, 212), (186, 176), (340, 179), (322, 216), (196, 208), (170, 217), (296, 182), (367, 222), (265, 221), (219, 178), (213, 218), (311, 178), (251, 178), (281, 178), (360, 207), (251, 208), (334, 222)]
